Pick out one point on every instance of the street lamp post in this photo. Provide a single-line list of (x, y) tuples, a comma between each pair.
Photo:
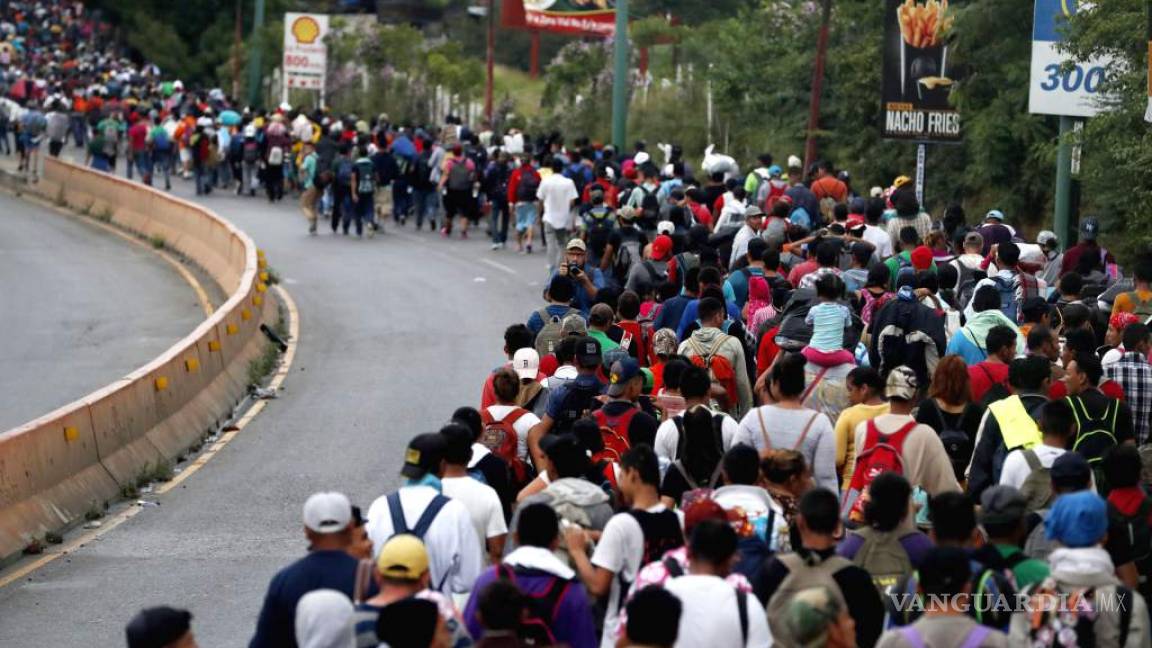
[(620, 78), (491, 63), (254, 62), (817, 85)]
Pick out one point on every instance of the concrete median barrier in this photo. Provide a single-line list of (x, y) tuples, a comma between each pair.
[(55, 469)]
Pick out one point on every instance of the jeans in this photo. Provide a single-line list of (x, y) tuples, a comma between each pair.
[(143, 163), (341, 204), (224, 174), (5, 144), (162, 163), (203, 179), (557, 238), (274, 181), (79, 130), (499, 220), (425, 203), (361, 212), (250, 181), (401, 199)]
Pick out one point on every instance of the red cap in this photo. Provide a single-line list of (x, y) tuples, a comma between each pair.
[(855, 221), (921, 258), (701, 510), (661, 247)]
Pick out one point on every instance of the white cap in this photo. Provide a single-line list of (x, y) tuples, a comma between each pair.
[(641, 157), (286, 107), (665, 227), (327, 512), (876, 192), (795, 162), (526, 363)]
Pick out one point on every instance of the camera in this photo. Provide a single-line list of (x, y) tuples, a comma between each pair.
[(574, 270)]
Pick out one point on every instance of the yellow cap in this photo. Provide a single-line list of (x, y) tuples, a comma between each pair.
[(403, 557)]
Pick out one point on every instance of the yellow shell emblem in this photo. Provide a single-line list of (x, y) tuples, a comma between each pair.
[(306, 30)]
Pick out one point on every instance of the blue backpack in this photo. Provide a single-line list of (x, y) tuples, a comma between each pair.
[(344, 171), (1008, 304)]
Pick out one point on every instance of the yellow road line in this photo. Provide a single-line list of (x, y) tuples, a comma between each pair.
[(121, 517)]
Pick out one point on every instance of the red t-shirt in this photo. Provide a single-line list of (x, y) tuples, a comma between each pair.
[(1109, 388), (138, 135), (983, 375)]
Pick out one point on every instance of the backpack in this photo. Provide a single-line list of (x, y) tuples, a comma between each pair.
[(528, 186), (883, 557), (998, 390), (1071, 617), (720, 369), (460, 176), (803, 434), (536, 624), (365, 176), (1008, 304), (111, 139), (685, 261), (1095, 437), (614, 433), (879, 455), (627, 256), (552, 333), (251, 151), (160, 140), (649, 207), (992, 580), (873, 304), (682, 443), (276, 155), (904, 268), (420, 174), (804, 572), (578, 401), (1037, 486), (1139, 538), (676, 571), (502, 439), (974, 639), (400, 525), (343, 171), (966, 285), (1140, 307), (957, 443)]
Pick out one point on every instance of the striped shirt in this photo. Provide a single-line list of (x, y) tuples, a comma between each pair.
[(1134, 374)]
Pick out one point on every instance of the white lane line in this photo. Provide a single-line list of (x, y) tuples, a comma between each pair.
[(499, 266)]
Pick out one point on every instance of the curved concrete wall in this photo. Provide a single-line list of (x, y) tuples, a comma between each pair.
[(56, 468)]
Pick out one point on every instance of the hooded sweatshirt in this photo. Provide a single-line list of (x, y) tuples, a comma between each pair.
[(970, 341), (730, 349), (324, 620), (1074, 569)]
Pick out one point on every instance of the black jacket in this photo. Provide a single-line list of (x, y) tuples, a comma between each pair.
[(906, 332)]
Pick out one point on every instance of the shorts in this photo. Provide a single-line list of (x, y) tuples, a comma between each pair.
[(458, 203), (525, 216), (31, 142), (828, 358), (185, 155)]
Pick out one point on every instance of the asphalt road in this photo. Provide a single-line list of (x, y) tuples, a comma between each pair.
[(396, 332), (79, 308)]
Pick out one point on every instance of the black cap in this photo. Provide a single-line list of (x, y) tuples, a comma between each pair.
[(157, 627), (588, 352), (1071, 471), (408, 622), (424, 454)]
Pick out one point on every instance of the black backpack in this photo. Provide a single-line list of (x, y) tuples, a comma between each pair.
[(956, 442), (1140, 539), (682, 443), (527, 188), (536, 626), (578, 402), (649, 208)]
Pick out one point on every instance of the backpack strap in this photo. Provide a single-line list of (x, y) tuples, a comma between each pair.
[(976, 636), (763, 428), (429, 516), (912, 636), (742, 611), (364, 571), (804, 434), (896, 439), (812, 386), (672, 567), (1125, 600), (1032, 459), (396, 510), (681, 441)]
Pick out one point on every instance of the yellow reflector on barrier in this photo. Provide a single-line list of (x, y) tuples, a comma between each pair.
[(213, 345), (161, 383), (231, 329), (191, 365), (264, 277), (261, 287), (71, 433), (257, 300), (245, 314)]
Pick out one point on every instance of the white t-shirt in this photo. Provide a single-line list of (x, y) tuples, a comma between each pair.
[(668, 436), (878, 237), (522, 425), (483, 505), (1016, 469), (784, 428), (620, 551), (454, 556), (557, 194), (710, 617)]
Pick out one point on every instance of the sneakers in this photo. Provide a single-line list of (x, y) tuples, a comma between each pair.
[(528, 250), (496, 246), (463, 235), (312, 229), (371, 230), (443, 232)]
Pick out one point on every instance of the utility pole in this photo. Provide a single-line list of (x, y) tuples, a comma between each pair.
[(1063, 197), (817, 86), (620, 78), (254, 62), (236, 45), (489, 88)]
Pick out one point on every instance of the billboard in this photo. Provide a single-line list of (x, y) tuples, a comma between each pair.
[(305, 53), (573, 17), (1054, 90), (917, 85)]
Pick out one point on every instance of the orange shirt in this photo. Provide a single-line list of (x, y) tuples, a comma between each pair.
[(1124, 303)]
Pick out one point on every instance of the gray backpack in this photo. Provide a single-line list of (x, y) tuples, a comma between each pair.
[(550, 335), (1037, 487), (803, 573), (883, 557), (1037, 545)]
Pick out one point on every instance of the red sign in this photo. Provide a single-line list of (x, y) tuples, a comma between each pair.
[(574, 17)]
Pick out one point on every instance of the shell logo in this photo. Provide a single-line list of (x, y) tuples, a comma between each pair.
[(306, 30)]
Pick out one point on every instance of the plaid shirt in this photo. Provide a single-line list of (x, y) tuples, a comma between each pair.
[(1134, 374)]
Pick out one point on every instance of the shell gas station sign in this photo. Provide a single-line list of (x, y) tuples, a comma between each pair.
[(305, 52)]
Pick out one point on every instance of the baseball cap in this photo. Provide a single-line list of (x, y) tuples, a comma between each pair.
[(1002, 505), (661, 248), (974, 239), (665, 227), (601, 315), (858, 205), (1089, 229), (408, 622), (1077, 519), (774, 171), (425, 451), (573, 324), (994, 214), (810, 613), (327, 512), (157, 627), (665, 342), (1047, 237), (921, 258), (526, 362), (855, 221), (1070, 470), (795, 162), (901, 384), (700, 510), (588, 351), (901, 181), (623, 371), (403, 557), (576, 244), (752, 211)]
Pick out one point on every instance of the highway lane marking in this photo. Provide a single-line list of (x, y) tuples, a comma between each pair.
[(204, 457), (499, 266)]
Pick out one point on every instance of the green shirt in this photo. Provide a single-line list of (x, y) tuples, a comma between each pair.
[(606, 343), (893, 264), (308, 170), (1028, 571)]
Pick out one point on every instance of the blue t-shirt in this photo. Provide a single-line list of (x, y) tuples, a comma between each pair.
[(828, 320), (583, 301), (536, 323), (738, 284), (692, 313)]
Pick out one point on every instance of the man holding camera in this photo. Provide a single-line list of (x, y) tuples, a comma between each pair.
[(587, 279)]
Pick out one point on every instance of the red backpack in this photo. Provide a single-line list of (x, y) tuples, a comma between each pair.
[(719, 369), (614, 433), (641, 333), (876, 457), (501, 438)]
